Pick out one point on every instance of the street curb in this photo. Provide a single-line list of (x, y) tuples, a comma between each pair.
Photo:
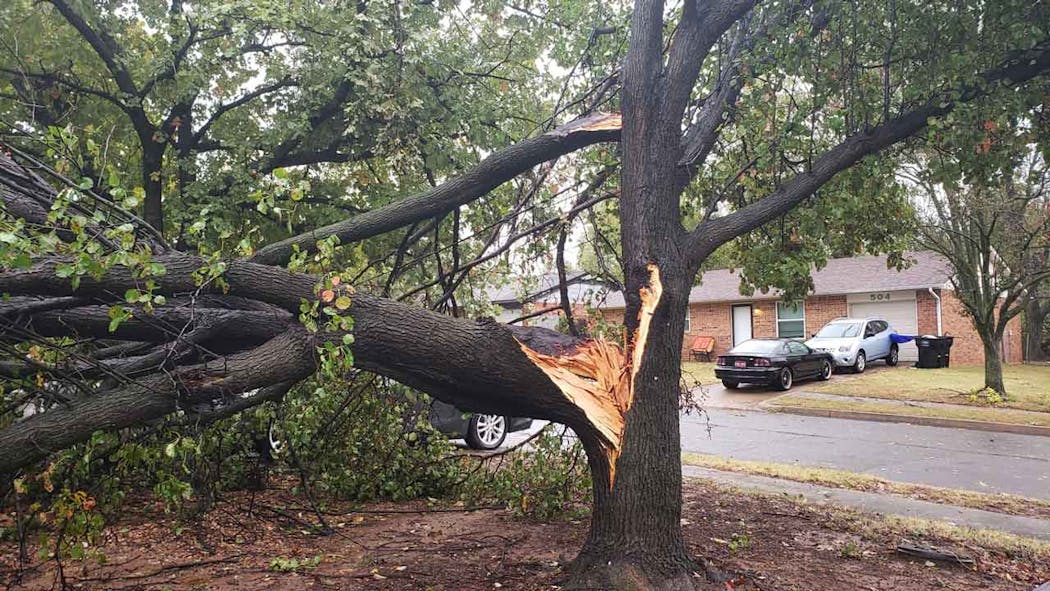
[(1014, 428)]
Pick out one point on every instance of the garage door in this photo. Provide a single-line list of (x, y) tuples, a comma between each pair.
[(900, 315)]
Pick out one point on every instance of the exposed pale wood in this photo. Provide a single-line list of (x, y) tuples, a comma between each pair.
[(599, 378)]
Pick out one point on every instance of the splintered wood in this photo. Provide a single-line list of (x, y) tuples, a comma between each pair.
[(598, 377)]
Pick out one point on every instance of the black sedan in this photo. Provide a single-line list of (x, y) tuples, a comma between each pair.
[(480, 431), (776, 362)]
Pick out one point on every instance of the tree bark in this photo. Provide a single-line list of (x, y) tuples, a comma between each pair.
[(152, 175), (993, 365), (635, 540)]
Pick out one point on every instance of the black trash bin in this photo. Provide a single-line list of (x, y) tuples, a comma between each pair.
[(929, 356), (944, 346), (933, 351)]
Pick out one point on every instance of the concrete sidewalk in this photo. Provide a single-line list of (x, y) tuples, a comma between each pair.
[(884, 504)]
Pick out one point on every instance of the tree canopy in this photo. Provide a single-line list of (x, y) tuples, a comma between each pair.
[(207, 203)]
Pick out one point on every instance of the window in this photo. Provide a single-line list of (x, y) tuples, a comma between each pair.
[(791, 320), (688, 322), (839, 330), (797, 348), (758, 347)]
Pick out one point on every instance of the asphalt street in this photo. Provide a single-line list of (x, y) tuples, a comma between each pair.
[(954, 458)]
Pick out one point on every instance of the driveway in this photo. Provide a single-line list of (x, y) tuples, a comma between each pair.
[(938, 456), (746, 397)]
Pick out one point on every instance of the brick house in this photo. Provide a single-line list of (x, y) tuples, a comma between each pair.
[(917, 300), (537, 302)]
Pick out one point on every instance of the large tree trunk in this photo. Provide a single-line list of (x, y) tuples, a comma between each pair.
[(635, 540)]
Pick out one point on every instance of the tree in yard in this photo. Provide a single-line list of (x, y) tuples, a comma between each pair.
[(734, 113), (994, 230)]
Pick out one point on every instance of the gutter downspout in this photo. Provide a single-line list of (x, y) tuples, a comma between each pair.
[(938, 298)]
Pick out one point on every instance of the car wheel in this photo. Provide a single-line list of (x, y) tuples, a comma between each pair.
[(861, 363), (486, 431), (826, 371), (784, 379), (731, 384), (893, 357)]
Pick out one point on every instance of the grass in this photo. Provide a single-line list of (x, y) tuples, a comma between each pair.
[(1027, 386), (699, 371), (976, 413), (1000, 503), (879, 529)]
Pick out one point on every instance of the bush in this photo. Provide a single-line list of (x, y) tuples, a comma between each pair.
[(548, 479)]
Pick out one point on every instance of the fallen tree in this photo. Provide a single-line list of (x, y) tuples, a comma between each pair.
[(212, 331)]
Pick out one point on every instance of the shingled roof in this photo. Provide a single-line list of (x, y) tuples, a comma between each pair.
[(544, 289), (840, 276)]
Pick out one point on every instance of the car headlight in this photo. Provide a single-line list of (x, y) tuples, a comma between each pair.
[(845, 349)]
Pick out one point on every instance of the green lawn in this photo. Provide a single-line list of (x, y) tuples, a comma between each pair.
[(1027, 386)]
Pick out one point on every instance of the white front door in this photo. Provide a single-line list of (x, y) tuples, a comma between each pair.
[(741, 324)]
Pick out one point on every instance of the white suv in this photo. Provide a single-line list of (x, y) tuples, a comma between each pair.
[(854, 342)]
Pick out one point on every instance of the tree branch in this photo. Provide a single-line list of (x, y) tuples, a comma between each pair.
[(493, 171), (710, 234)]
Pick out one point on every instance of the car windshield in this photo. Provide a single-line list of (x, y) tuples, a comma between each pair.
[(756, 347), (838, 330)]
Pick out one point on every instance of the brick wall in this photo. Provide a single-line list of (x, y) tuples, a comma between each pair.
[(926, 311), (710, 320), (821, 310), (716, 320), (967, 348)]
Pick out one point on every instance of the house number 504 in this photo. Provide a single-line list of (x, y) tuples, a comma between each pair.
[(879, 297)]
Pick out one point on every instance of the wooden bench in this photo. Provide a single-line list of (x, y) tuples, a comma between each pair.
[(702, 348)]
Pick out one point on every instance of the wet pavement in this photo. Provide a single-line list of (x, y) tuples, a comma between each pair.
[(938, 456)]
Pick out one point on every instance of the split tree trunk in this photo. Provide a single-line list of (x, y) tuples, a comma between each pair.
[(635, 540)]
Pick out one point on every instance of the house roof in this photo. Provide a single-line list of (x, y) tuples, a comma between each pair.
[(840, 276), (543, 288)]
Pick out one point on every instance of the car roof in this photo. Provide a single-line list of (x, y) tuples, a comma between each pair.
[(844, 319)]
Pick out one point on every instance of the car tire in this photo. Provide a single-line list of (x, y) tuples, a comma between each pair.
[(784, 379), (731, 384), (825, 371), (861, 363), (894, 357), (486, 431)]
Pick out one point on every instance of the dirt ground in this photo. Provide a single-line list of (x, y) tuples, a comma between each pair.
[(248, 541)]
